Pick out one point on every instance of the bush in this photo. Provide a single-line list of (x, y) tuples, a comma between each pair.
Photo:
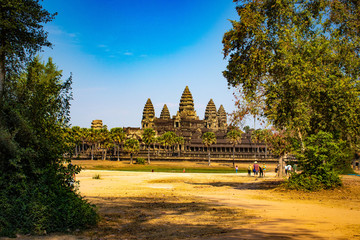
[(320, 161), (307, 182), (96, 176), (141, 161)]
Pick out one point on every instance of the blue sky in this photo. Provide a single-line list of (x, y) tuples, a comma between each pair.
[(122, 52)]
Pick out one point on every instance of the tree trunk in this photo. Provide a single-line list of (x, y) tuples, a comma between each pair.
[(118, 153), (149, 154), (209, 156), (233, 156), (2, 73), (281, 167), (131, 158), (92, 151), (76, 151)]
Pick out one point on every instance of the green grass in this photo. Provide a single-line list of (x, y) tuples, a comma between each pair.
[(149, 168)]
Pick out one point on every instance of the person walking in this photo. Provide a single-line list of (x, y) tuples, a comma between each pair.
[(236, 168), (249, 170), (261, 171), (264, 169), (256, 168)]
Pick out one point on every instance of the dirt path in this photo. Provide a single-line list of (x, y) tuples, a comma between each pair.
[(136, 205), (270, 217)]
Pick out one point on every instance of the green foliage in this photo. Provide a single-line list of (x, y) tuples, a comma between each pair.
[(140, 161), (37, 188), (234, 136), (208, 138), (301, 59), (297, 63), (21, 34), (320, 162)]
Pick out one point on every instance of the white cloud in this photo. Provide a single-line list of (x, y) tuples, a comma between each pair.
[(128, 53)]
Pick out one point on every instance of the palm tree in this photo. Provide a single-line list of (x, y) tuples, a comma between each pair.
[(76, 136), (91, 138), (148, 138), (118, 136), (131, 146), (234, 137), (208, 139), (168, 139), (179, 141)]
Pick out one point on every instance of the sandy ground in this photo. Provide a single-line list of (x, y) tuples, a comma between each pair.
[(136, 205)]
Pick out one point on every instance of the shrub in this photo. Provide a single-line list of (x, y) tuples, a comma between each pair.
[(141, 161), (96, 176)]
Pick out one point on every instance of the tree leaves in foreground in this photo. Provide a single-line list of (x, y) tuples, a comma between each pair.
[(37, 189), (21, 34), (303, 57)]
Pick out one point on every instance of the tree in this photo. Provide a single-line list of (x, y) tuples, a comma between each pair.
[(179, 141), (148, 138), (234, 137), (131, 146), (21, 34), (208, 139), (280, 143), (37, 192), (168, 139), (118, 136), (302, 59)]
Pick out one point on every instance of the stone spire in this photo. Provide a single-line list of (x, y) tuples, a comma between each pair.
[(210, 111), (165, 114), (211, 119), (148, 115), (186, 106), (149, 111), (222, 118)]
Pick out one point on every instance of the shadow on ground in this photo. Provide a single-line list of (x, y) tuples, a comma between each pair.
[(256, 185), (175, 218)]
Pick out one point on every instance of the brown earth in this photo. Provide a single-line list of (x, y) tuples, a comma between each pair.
[(136, 205)]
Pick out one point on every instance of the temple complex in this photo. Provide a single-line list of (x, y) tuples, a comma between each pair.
[(186, 123)]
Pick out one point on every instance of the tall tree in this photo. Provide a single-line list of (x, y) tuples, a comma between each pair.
[(234, 137), (132, 147), (118, 136), (21, 34), (148, 138), (302, 58), (168, 139), (35, 183), (208, 139)]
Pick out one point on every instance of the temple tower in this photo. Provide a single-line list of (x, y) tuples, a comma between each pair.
[(222, 119), (165, 114), (148, 115), (97, 124), (186, 106), (211, 118)]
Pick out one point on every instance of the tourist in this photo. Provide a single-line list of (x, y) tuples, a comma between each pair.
[(249, 169), (256, 168), (264, 169), (261, 171), (286, 169), (236, 168)]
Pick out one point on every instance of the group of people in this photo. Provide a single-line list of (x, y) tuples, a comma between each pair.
[(257, 169)]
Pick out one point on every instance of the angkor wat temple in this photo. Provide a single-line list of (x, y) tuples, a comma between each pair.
[(187, 124)]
